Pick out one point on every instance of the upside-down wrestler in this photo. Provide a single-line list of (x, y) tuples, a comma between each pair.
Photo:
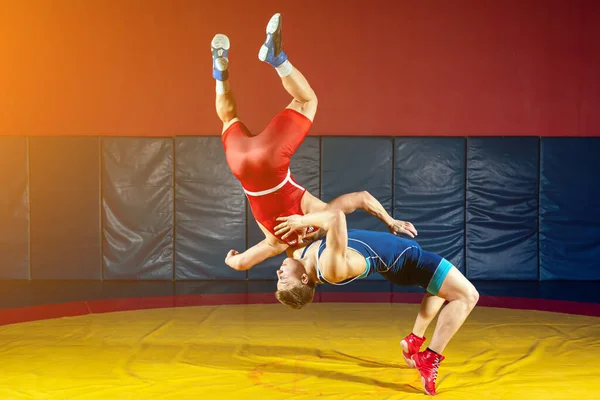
[(261, 162)]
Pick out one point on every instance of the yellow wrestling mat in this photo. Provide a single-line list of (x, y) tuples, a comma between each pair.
[(333, 350)]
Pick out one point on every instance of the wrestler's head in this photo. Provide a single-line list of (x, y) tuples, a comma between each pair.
[(295, 288)]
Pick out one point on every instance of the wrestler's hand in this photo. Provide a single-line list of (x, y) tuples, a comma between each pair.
[(396, 226), (289, 225), (229, 259)]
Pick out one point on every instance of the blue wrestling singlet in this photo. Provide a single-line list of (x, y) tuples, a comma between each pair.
[(400, 261)]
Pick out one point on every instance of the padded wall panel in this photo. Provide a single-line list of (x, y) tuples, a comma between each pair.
[(305, 168), (570, 209), (352, 164), (429, 191), (138, 208), (65, 208), (14, 208), (502, 208), (211, 215)]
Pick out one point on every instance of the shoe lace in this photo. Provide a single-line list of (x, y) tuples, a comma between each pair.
[(436, 364)]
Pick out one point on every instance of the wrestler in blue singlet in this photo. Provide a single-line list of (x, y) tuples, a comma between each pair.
[(400, 261)]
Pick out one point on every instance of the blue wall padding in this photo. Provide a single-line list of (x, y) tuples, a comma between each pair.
[(65, 208), (14, 208), (510, 208), (211, 215), (429, 191), (353, 164), (138, 208), (502, 208), (570, 209), (305, 169)]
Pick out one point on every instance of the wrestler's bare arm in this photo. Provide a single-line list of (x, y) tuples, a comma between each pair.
[(332, 261), (350, 202), (254, 255)]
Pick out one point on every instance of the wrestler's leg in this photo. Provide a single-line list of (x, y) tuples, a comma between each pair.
[(430, 306), (447, 283), (304, 98), (225, 102), (411, 344), (462, 298)]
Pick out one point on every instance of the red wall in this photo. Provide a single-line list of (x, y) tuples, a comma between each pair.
[(419, 67)]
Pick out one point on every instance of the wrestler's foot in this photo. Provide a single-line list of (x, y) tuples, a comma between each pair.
[(411, 345), (220, 48), (271, 52), (428, 362)]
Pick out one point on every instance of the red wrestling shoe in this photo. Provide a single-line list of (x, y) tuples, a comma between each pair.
[(428, 362), (411, 345)]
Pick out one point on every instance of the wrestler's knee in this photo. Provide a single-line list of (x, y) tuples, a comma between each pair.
[(471, 296), (457, 287), (468, 294)]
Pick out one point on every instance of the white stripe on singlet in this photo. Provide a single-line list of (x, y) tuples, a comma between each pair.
[(287, 179)]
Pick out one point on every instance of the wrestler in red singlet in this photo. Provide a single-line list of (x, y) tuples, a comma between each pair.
[(261, 163)]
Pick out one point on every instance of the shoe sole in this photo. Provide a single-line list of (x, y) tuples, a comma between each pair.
[(220, 42), (271, 28), (408, 361)]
